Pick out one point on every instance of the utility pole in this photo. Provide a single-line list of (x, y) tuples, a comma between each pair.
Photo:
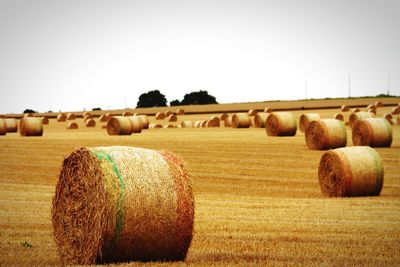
[(305, 89), (388, 84), (349, 87)]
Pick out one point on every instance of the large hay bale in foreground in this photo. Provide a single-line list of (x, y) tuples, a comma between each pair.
[(119, 125), (45, 120), (3, 127), (326, 134), (241, 120), (11, 125), (116, 204), (281, 124), (61, 117), (260, 119), (351, 171), (305, 119), (72, 125), (362, 115), (144, 120), (31, 126), (160, 116), (374, 132), (345, 108)]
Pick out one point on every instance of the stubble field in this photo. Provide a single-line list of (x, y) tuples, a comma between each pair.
[(257, 198)]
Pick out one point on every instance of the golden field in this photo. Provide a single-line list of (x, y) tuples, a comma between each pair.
[(257, 198)]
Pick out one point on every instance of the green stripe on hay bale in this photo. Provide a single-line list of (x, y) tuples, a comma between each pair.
[(359, 116), (117, 204), (241, 120), (305, 119), (31, 126), (281, 124), (11, 125), (3, 127), (260, 120), (374, 132), (326, 134), (351, 171), (119, 125)]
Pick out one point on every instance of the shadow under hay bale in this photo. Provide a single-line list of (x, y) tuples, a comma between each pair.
[(351, 171), (281, 124), (326, 134), (116, 204), (31, 126), (374, 132)]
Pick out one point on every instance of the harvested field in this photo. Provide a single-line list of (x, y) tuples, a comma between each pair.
[(257, 198)]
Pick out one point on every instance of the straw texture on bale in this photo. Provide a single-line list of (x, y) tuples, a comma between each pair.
[(172, 117), (281, 124), (213, 122), (31, 126), (103, 118), (87, 117), (223, 116), (196, 124), (155, 126), (260, 119), (187, 124), (338, 116), (362, 115), (305, 119), (136, 124), (160, 116), (11, 125), (345, 108), (169, 126), (116, 204), (3, 128), (351, 171), (326, 134), (228, 122), (378, 104), (374, 132), (45, 120), (252, 112), (71, 116), (168, 112), (72, 125), (355, 110), (396, 110), (61, 117), (127, 114), (144, 120), (241, 120), (268, 110), (90, 123), (203, 123), (180, 112), (388, 116), (119, 125)]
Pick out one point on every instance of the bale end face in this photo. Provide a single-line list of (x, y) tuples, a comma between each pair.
[(325, 134), (281, 124)]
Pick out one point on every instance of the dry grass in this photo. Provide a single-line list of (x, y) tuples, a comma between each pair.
[(258, 200)]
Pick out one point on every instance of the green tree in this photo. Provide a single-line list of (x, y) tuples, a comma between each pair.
[(152, 99), (175, 102), (199, 98)]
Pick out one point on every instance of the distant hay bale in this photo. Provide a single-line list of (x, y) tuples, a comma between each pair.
[(388, 116), (28, 115), (371, 106), (213, 122), (260, 119), (90, 123), (228, 122), (31, 126), (119, 125), (144, 120), (396, 110), (281, 124), (241, 120), (127, 114), (120, 204), (351, 171), (355, 110), (169, 126), (373, 111), (61, 117), (252, 112), (172, 117), (305, 119), (345, 108), (203, 123), (187, 124), (108, 115), (223, 116), (136, 124), (87, 117), (378, 104), (359, 116), (180, 112), (373, 132), (3, 127), (338, 116), (72, 125), (45, 120), (86, 113), (268, 110), (196, 124), (103, 118), (325, 134), (168, 112), (160, 116), (11, 125), (71, 116), (155, 126)]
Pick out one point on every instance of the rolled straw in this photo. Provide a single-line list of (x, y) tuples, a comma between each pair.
[(305, 119), (169, 126), (72, 125), (119, 125), (260, 120), (351, 171), (213, 122), (223, 116), (172, 117), (11, 125), (338, 116), (241, 120), (127, 114), (31, 126), (3, 127), (136, 124), (378, 104), (281, 124), (61, 117), (45, 120), (374, 132), (362, 115), (180, 112), (326, 134), (187, 124), (252, 112), (103, 118), (71, 116), (144, 120), (115, 204), (155, 126), (160, 116), (228, 122), (268, 110), (90, 123), (396, 110), (345, 108)]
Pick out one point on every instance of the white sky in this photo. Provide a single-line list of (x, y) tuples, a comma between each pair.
[(70, 55)]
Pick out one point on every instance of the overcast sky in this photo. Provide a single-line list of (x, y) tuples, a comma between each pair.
[(71, 55)]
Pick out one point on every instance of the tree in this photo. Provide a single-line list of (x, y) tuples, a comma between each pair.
[(175, 102), (199, 98), (96, 109), (152, 99), (28, 110)]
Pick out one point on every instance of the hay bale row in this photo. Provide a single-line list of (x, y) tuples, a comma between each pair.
[(31, 126), (260, 119), (374, 132), (326, 134), (241, 120), (305, 119), (120, 125), (281, 124), (115, 204)]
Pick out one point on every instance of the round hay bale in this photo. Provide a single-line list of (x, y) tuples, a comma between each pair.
[(388, 116), (160, 116), (213, 122), (144, 120), (90, 123), (180, 112), (378, 104), (103, 118), (373, 111), (155, 126), (169, 126), (187, 124), (338, 116), (71, 116), (115, 204), (119, 125), (241, 120), (374, 132), (203, 123), (196, 124), (167, 113), (228, 122), (260, 119), (86, 113), (362, 115), (345, 108), (87, 117), (61, 117), (326, 134), (371, 106), (268, 110), (72, 125), (109, 115), (281, 124), (223, 116), (172, 117), (252, 112), (127, 114), (45, 120), (136, 124), (351, 171), (11, 125), (31, 126), (3, 127), (396, 110), (355, 110), (305, 119)]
